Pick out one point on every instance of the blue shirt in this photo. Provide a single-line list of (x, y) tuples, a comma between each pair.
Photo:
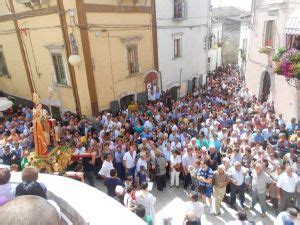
[(205, 174), (119, 156), (148, 136), (142, 177), (257, 138), (215, 143)]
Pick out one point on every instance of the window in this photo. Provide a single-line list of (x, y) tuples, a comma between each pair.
[(132, 59), (292, 41), (3, 67), (59, 68), (177, 47), (269, 33), (180, 9)]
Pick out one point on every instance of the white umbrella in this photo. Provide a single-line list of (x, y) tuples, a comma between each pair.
[(5, 104)]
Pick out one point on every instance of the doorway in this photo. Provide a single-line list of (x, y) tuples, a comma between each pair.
[(174, 93), (266, 85), (126, 101)]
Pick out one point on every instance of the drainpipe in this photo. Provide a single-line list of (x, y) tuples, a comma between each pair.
[(160, 78)]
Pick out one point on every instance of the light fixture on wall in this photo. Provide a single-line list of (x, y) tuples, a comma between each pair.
[(74, 58)]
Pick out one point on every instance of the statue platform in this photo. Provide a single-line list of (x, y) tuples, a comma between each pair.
[(57, 159)]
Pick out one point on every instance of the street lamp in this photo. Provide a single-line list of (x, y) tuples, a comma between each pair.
[(74, 58)]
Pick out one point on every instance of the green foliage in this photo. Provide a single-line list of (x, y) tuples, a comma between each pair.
[(265, 50), (295, 58), (281, 51), (297, 70), (276, 58)]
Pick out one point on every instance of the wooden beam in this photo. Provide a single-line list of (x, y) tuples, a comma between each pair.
[(100, 8), (154, 35), (30, 83), (28, 14), (82, 21), (64, 28)]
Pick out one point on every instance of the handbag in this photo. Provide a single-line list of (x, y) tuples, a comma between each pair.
[(178, 167)]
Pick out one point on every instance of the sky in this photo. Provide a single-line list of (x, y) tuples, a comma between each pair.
[(243, 4)]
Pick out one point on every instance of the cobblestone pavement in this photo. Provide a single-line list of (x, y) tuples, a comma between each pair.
[(170, 205)]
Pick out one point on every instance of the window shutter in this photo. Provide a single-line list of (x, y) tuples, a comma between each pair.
[(190, 86), (201, 81), (185, 11)]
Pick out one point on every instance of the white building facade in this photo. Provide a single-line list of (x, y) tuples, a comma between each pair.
[(268, 23), (182, 28), (244, 43), (215, 40)]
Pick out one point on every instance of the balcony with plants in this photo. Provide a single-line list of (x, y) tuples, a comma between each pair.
[(267, 48), (287, 63)]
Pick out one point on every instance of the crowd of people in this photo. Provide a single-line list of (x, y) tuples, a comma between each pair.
[(219, 141)]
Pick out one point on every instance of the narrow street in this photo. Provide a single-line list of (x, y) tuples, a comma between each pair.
[(170, 204)]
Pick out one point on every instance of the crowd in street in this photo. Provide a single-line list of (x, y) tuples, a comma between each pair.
[(217, 142)]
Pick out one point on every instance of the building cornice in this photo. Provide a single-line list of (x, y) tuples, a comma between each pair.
[(28, 14)]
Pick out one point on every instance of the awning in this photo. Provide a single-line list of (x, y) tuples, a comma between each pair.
[(5, 104), (292, 25)]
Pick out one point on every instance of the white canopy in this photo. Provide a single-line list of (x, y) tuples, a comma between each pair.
[(5, 104), (292, 25)]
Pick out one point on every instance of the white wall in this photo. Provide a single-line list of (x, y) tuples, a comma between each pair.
[(215, 55), (283, 95), (193, 31), (245, 34)]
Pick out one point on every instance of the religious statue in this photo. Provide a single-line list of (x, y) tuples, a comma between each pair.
[(41, 129)]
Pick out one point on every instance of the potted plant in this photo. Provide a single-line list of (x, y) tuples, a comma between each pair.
[(265, 49)]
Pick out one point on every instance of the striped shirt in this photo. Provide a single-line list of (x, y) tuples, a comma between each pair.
[(206, 174)]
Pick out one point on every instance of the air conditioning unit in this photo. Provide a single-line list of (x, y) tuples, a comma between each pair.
[(23, 1)]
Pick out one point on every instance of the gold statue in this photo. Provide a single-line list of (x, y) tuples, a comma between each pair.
[(40, 128)]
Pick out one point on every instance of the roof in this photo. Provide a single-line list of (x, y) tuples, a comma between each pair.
[(292, 25), (230, 11)]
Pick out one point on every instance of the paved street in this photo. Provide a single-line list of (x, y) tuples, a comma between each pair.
[(170, 204)]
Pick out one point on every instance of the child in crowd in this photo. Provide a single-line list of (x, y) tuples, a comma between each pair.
[(141, 177)]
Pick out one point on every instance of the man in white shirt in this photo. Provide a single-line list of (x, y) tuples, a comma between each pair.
[(195, 206), (286, 188), (107, 166), (146, 199), (129, 161), (188, 160), (237, 174)]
